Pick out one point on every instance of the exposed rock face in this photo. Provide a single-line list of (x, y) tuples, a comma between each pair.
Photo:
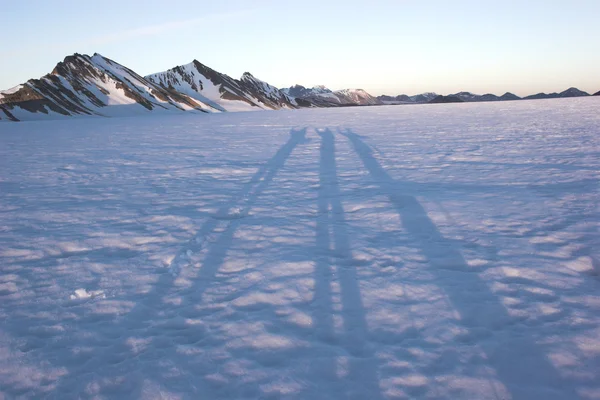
[(220, 91), (84, 85), (321, 96), (90, 86), (267, 94), (81, 85), (300, 91)]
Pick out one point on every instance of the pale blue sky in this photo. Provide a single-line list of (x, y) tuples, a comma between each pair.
[(382, 46)]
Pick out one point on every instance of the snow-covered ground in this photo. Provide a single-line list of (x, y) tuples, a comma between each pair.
[(435, 252)]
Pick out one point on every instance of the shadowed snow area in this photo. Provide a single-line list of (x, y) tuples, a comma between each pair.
[(435, 252)]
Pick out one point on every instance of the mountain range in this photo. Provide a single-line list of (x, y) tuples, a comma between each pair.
[(83, 85)]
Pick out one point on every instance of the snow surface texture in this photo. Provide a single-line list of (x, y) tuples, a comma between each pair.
[(436, 252)]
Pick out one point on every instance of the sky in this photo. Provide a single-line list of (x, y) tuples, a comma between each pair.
[(382, 46)]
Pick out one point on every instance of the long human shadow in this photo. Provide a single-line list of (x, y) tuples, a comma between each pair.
[(152, 311), (244, 199), (334, 259), (218, 248), (519, 362)]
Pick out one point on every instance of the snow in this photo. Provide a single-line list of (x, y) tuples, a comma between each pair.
[(10, 91), (210, 94), (434, 251), (21, 113), (84, 294)]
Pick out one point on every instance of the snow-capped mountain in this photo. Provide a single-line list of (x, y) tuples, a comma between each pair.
[(319, 96), (220, 91), (300, 91), (83, 85), (96, 85), (324, 97), (266, 93), (356, 96)]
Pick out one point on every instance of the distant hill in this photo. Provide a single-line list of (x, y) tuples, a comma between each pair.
[(539, 96), (428, 97), (405, 99), (508, 96), (446, 99), (573, 92), (472, 97)]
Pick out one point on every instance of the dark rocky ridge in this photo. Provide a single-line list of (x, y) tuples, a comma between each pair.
[(267, 94), (470, 97), (321, 96), (508, 96), (446, 99), (571, 92), (195, 77)]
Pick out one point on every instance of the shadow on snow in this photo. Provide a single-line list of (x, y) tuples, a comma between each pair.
[(519, 362), (214, 238)]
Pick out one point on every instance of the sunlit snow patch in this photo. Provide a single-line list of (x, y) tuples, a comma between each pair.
[(82, 294)]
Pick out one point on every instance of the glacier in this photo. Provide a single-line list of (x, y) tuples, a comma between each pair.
[(432, 251)]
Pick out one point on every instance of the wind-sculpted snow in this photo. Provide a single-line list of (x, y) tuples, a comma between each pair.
[(435, 251)]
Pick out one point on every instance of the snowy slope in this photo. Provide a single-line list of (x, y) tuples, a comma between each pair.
[(425, 252), (84, 85), (10, 91), (268, 94), (356, 96), (221, 91), (321, 96)]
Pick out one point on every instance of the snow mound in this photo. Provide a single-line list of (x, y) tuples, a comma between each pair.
[(83, 294)]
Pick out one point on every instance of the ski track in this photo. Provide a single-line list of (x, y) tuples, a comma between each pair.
[(395, 252)]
